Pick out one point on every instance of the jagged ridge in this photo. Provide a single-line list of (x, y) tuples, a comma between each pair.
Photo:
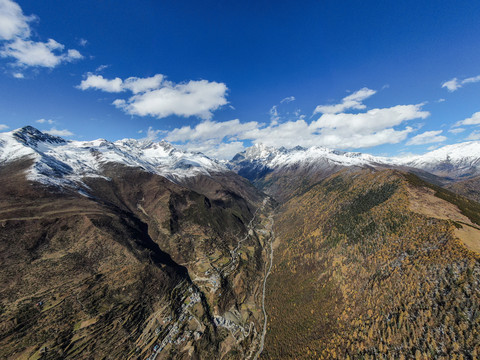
[(65, 163)]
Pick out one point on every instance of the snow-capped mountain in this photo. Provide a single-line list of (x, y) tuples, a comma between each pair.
[(60, 162), (259, 159), (455, 161)]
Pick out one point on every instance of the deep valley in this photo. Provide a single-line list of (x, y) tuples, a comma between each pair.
[(133, 250)]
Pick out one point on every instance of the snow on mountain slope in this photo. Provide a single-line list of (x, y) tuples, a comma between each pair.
[(60, 162), (260, 159), (457, 160), (285, 157)]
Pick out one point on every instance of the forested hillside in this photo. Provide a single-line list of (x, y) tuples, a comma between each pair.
[(359, 275)]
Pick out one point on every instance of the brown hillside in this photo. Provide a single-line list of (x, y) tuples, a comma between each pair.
[(360, 273)]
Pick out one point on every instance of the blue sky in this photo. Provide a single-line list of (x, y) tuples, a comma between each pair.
[(217, 76)]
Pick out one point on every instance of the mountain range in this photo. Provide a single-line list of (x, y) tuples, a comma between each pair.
[(61, 162), (135, 249)]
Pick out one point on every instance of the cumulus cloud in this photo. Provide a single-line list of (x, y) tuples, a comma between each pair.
[(155, 96), (217, 139), (473, 120), (352, 101), (58, 132), (451, 85), (3, 127), (13, 23), (36, 53), (140, 85), (211, 130), (427, 137), (98, 82), (474, 135), (455, 84), (15, 34), (342, 130)]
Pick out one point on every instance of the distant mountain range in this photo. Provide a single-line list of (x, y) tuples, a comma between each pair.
[(456, 161), (64, 162)]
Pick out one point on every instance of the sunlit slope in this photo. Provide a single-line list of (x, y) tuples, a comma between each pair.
[(360, 271)]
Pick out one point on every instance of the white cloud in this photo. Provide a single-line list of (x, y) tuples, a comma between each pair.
[(194, 98), (154, 96), (341, 130), (3, 127), (151, 134), (375, 127), (211, 130), (15, 34), (474, 135), (83, 42), (287, 99), (18, 75), (44, 54), (352, 101), (470, 80), (455, 84), (427, 137), (456, 131), (58, 132), (45, 121), (140, 85), (101, 68), (452, 85), (13, 23), (274, 116), (372, 120), (473, 120), (100, 83), (216, 139)]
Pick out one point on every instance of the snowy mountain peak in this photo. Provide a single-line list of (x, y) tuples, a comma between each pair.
[(65, 163), (260, 151), (279, 157), (456, 160), (31, 136)]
